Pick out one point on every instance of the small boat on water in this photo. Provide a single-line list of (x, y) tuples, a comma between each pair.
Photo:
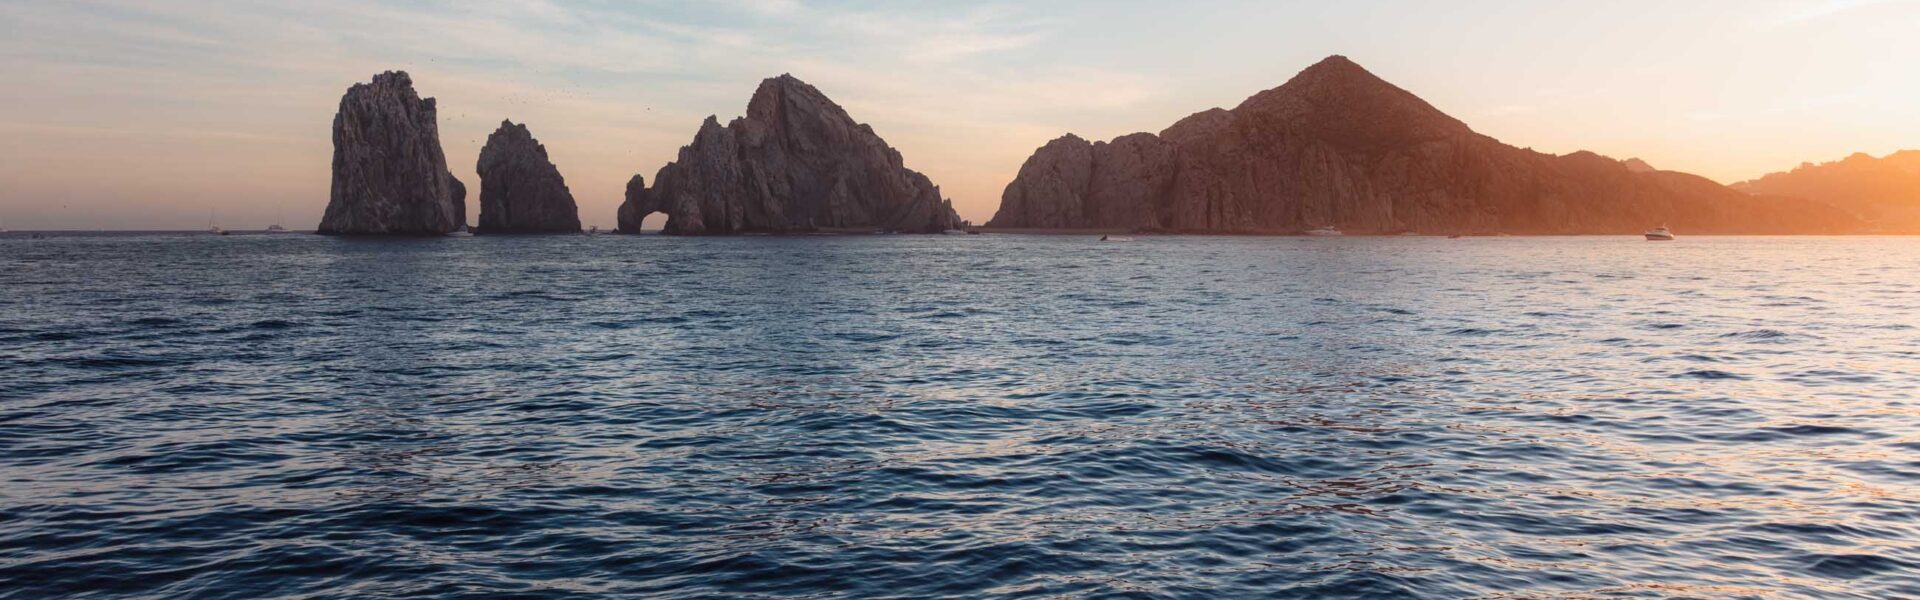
[(1115, 238), (461, 232), (1660, 234), (276, 228), (1324, 230)]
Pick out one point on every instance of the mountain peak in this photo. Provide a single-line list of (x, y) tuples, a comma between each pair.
[(1335, 66), (1345, 103), (778, 94)]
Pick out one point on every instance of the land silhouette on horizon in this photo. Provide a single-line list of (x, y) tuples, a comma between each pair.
[(1335, 148), (1338, 147)]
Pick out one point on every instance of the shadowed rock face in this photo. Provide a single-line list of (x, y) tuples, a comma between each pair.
[(389, 174), (1338, 146), (795, 162), (520, 189), (638, 205)]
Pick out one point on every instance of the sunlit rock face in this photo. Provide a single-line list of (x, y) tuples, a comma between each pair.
[(796, 162), (1337, 146), (520, 189), (1884, 191), (389, 173)]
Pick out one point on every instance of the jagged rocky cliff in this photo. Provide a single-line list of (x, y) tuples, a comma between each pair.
[(520, 189), (389, 173), (796, 162), (1337, 146), (1883, 191)]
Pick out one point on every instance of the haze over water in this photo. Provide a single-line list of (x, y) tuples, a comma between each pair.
[(889, 416)]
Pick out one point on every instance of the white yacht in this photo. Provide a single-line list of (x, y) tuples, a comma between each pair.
[(461, 232), (1324, 230), (1660, 234)]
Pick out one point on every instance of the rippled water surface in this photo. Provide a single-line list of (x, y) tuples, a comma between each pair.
[(928, 416)]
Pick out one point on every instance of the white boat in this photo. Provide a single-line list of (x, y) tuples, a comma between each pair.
[(279, 216), (1325, 230), (461, 232), (1660, 234)]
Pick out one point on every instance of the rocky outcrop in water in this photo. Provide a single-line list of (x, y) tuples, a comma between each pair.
[(1884, 191), (796, 162), (520, 189), (389, 173), (638, 204), (1337, 146)]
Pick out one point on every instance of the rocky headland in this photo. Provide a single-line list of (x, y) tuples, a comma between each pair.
[(389, 172), (797, 162), (521, 191), (1884, 191), (1338, 147)]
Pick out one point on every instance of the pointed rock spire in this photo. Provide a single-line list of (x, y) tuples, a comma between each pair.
[(389, 172), (520, 189)]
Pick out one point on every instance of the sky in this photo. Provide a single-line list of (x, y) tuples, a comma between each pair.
[(161, 115)]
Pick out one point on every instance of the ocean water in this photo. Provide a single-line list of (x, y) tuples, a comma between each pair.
[(958, 416)]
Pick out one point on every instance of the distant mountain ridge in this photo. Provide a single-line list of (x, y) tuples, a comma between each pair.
[(1883, 191), (1338, 146)]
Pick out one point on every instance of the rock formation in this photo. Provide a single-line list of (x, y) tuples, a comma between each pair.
[(389, 173), (796, 162), (520, 189), (1883, 191), (638, 205), (1337, 146)]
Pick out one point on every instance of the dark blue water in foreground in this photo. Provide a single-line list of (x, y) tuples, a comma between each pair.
[(928, 416)]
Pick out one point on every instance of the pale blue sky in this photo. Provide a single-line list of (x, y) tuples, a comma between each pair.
[(151, 114)]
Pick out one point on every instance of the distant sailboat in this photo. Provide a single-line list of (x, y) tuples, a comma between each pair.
[(279, 216), (212, 228)]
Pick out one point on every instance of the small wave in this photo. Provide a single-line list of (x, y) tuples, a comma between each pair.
[(1472, 332), (1758, 335), (1854, 566), (1710, 374)]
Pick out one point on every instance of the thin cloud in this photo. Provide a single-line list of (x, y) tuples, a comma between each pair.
[(1803, 12)]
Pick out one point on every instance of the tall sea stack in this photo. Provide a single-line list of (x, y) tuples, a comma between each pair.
[(796, 162), (389, 173), (1337, 146), (520, 189)]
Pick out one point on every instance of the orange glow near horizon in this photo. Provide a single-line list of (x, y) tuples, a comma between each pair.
[(132, 116)]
